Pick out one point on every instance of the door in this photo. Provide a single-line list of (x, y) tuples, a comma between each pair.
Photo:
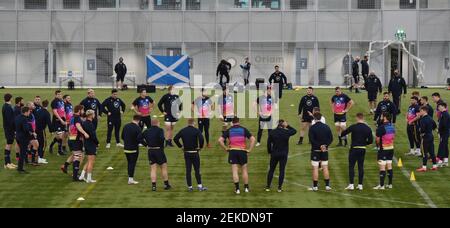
[(104, 59)]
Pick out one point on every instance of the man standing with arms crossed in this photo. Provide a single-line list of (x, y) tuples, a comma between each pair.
[(238, 152)]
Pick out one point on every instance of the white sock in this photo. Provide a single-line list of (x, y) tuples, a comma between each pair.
[(200, 186), (445, 160), (89, 176), (83, 173), (424, 167), (130, 179)]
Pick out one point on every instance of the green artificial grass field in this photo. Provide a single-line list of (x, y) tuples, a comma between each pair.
[(46, 186)]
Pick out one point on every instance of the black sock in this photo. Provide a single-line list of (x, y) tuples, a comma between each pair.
[(76, 168), (236, 185), (166, 183), (60, 146), (66, 164), (315, 183), (247, 186), (17, 156), (7, 157), (33, 155), (382, 177), (154, 184), (327, 182), (53, 142), (340, 140), (301, 139), (64, 148), (390, 176)]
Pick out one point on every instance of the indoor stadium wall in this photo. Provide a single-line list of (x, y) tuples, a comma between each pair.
[(308, 39)]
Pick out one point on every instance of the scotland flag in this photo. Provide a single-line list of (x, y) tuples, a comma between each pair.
[(167, 70)]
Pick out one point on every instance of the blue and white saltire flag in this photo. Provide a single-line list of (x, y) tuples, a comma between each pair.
[(167, 70)]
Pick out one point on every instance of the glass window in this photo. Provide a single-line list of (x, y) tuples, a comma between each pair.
[(71, 4), (35, 4), (266, 4), (201, 4), (167, 4), (300, 4), (99, 4), (134, 4), (407, 4), (366, 4)]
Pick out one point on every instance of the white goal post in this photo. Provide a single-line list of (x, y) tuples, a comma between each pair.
[(419, 67)]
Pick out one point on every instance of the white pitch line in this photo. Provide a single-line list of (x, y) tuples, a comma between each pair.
[(361, 197), (419, 189)]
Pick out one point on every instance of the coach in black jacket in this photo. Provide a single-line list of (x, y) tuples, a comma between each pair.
[(397, 85), (193, 141), (373, 86), (113, 107), (444, 132), (24, 132), (278, 148), (132, 137), (223, 70), (43, 121)]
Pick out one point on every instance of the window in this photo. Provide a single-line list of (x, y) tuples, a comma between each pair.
[(241, 3), (299, 4), (266, 4), (193, 4), (71, 4), (167, 4), (368, 4), (407, 4), (35, 4), (98, 4)]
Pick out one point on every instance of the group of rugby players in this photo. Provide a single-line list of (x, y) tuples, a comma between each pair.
[(76, 127)]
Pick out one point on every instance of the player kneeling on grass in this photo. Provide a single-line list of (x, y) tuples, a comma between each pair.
[(361, 138), (193, 142), (385, 140), (444, 133), (278, 148), (76, 137), (154, 139), (132, 137), (238, 152), (320, 137), (427, 126), (90, 146)]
